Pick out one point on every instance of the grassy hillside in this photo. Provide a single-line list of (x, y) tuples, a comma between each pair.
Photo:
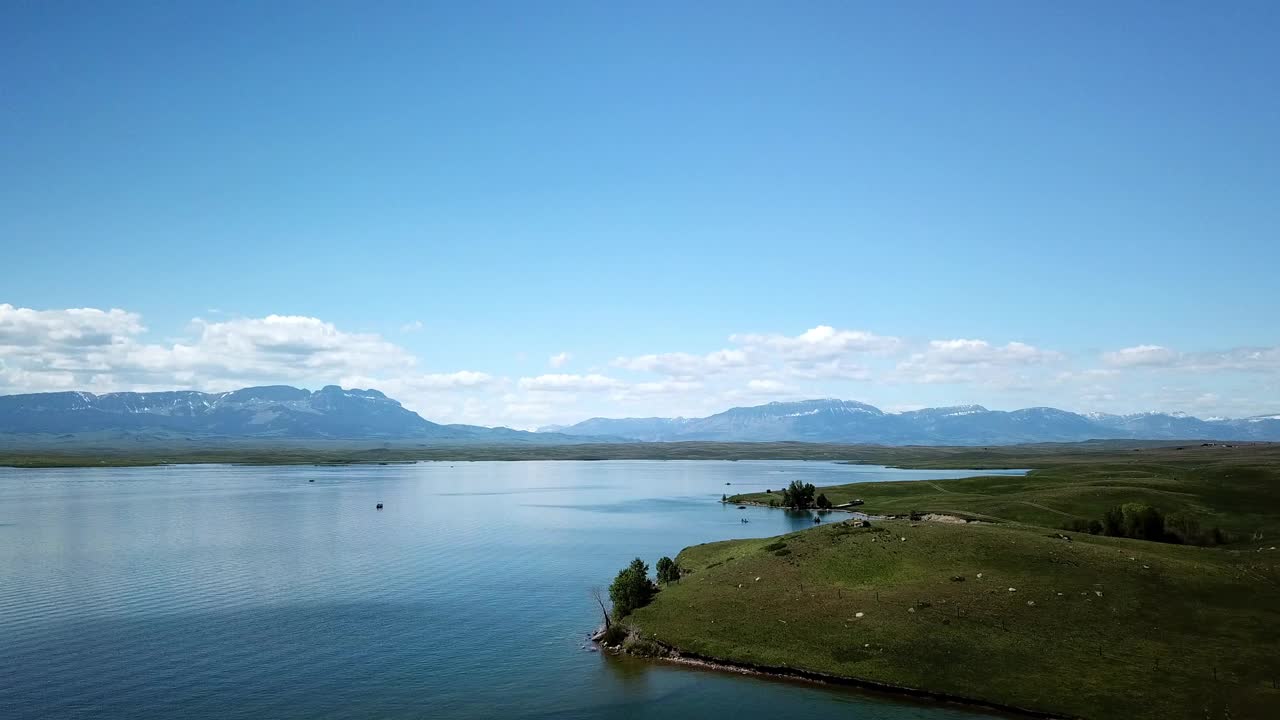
[(1095, 627), (1236, 489)]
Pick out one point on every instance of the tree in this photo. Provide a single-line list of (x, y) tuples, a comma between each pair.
[(823, 503), (668, 571), (598, 594), (798, 495), (1142, 522), (631, 589), (1113, 522)]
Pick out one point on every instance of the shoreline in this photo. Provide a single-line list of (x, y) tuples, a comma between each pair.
[(952, 517), (677, 656), (24, 452), (851, 511)]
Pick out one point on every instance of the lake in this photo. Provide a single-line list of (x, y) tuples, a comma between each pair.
[(280, 592)]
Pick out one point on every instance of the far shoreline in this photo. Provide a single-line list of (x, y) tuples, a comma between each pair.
[(35, 453)]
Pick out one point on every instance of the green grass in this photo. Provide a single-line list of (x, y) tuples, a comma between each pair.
[(1237, 489), (1119, 628)]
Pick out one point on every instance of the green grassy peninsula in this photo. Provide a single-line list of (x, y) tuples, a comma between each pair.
[(1011, 611)]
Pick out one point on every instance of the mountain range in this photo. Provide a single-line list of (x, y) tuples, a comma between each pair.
[(268, 413), (280, 412), (846, 421)]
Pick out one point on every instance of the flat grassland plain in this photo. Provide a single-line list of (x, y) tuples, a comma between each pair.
[(1013, 611)]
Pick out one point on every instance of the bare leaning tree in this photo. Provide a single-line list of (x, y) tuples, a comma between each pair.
[(597, 592)]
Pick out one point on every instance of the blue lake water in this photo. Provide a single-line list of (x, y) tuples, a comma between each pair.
[(252, 592)]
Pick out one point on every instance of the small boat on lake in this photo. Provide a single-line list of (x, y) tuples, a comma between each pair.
[(379, 506)]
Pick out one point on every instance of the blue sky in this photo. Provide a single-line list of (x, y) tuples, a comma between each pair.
[(1010, 203)]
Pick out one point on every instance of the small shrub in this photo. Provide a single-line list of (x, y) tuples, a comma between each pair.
[(614, 634), (1143, 522), (668, 570), (783, 552), (637, 644)]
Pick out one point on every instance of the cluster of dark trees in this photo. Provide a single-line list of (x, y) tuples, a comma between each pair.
[(1143, 522), (632, 587), (800, 496)]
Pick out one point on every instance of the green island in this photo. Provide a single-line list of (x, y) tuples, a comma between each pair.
[(1011, 610)]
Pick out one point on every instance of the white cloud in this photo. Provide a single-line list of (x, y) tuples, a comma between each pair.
[(981, 352), (820, 353), (1090, 374), (663, 387), (819, 343), (1141, 356), (42, 349), (427, 382), (411, 327), (964, 360), (684, 365), (559, 360), (24, 328), (277, 346), (830, 370), (765, 386), (454, 380), (569, 383), (1243, 359)]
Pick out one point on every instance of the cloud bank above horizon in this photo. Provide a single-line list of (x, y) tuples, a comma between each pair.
[(110, 350)]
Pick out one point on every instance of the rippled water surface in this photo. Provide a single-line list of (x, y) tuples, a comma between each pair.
[(280, 592)]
